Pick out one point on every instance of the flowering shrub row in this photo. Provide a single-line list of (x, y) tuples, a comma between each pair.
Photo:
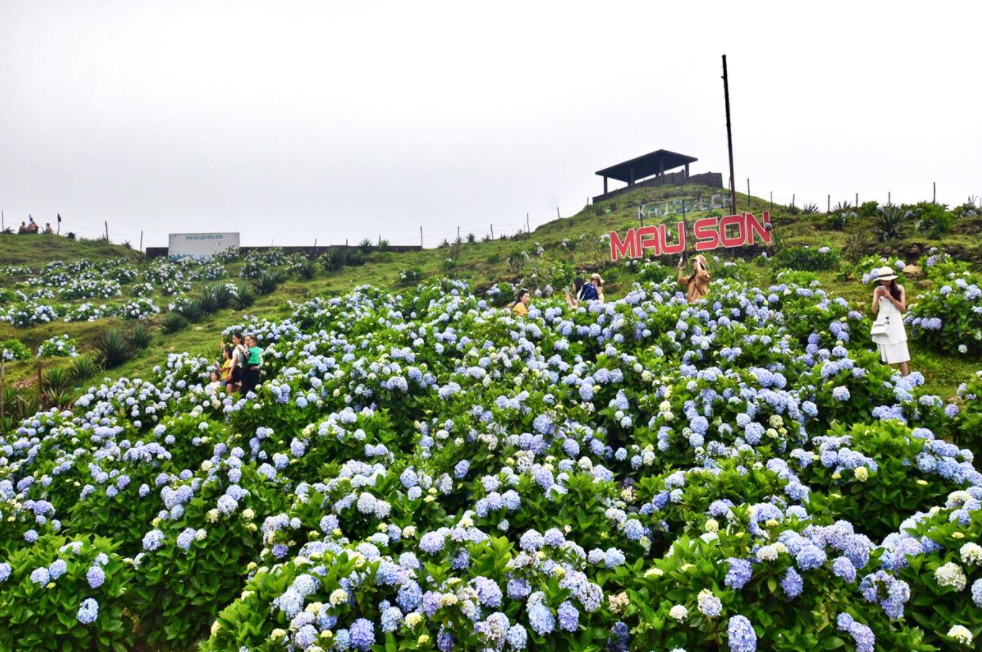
[(425, 471)]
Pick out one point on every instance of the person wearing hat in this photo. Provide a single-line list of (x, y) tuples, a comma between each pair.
[(697, 285), (889, 306), (598, 283)]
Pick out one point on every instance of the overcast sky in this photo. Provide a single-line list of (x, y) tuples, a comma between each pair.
[(289, 121)]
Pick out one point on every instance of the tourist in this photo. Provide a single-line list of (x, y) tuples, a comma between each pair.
[(582, 293), (697, 285), (888, 332), (598, 283), (238, 364), (32, 226), (250, 375), (226, 368), (48, 229), (521, 306), (215, 382), (23, 228)]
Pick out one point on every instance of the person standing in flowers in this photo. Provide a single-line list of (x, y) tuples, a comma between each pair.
[(598, 283), (238, 364), (888, 332), (254, 363), (521, 306), (697, 285), (582, 293)]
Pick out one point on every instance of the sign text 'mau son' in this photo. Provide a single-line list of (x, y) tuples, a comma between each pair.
[(709, 232)]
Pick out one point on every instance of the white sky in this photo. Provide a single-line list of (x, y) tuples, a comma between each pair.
[(290, 121)]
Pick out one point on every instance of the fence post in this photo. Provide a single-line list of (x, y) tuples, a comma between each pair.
[(828, 202), (792, 199), (558, 216), (106, 223), (934, 197), (527, 227), (421, 237), (772, 201), (748, 190), (857, 201), (889, 202), (141, 241), (492, 231)]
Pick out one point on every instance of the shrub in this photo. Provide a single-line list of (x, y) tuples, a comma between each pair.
[(57, 347), (173, 322), (140, 337), (13, 349), (112, 348), (245, 295), (949, 318), (890, 222), (932, 220), (307, 269), (266, 283), (68, 610), (82, 369), (410, 276), (208, 301), (808, 258)]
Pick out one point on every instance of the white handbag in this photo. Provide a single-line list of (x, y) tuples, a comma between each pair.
[(879, 327)]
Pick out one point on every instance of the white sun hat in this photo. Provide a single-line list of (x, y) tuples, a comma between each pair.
[(886, 273)]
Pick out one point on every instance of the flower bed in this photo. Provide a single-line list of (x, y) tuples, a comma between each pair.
[(424, 471)]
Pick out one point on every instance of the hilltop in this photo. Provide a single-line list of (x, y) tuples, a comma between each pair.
[(543, 260)]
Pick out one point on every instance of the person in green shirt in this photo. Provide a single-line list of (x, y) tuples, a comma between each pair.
[(250, 377)]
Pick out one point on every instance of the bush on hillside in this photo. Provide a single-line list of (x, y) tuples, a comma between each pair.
[(807, 258)]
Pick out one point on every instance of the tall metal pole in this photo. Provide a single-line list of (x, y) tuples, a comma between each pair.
[(729, 134)]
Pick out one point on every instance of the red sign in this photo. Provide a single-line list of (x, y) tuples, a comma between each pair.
[(709, 232)]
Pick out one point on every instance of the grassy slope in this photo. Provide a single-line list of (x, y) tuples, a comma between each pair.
[(482, 264)]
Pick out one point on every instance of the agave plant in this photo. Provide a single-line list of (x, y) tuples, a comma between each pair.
[(891, 222), (82, 369), (208, 300), (383, 245), (810, 209), (307, 269), (140, 337), (266, 283), (222, 294), (365, 245), (245, 295), (56, 380), (112, 348), (173, 322), (333, 259), (843, 207), (192, 310)]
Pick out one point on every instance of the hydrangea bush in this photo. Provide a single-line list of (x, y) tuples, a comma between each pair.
[(425, 471)]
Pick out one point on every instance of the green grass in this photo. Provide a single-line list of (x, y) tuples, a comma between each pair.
[(484, 264), (37, 251)]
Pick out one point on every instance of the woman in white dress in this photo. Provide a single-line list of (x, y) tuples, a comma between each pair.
[(889, 306)]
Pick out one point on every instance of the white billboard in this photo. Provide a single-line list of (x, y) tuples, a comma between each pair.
[(200, 246)]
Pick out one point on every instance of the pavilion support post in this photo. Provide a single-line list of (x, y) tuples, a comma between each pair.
[(605, 185)]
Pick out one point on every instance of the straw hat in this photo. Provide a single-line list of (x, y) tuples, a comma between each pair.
[(596, 277), (886, 273)]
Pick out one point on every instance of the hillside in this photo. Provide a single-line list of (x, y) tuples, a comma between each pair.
[(551, 255)]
